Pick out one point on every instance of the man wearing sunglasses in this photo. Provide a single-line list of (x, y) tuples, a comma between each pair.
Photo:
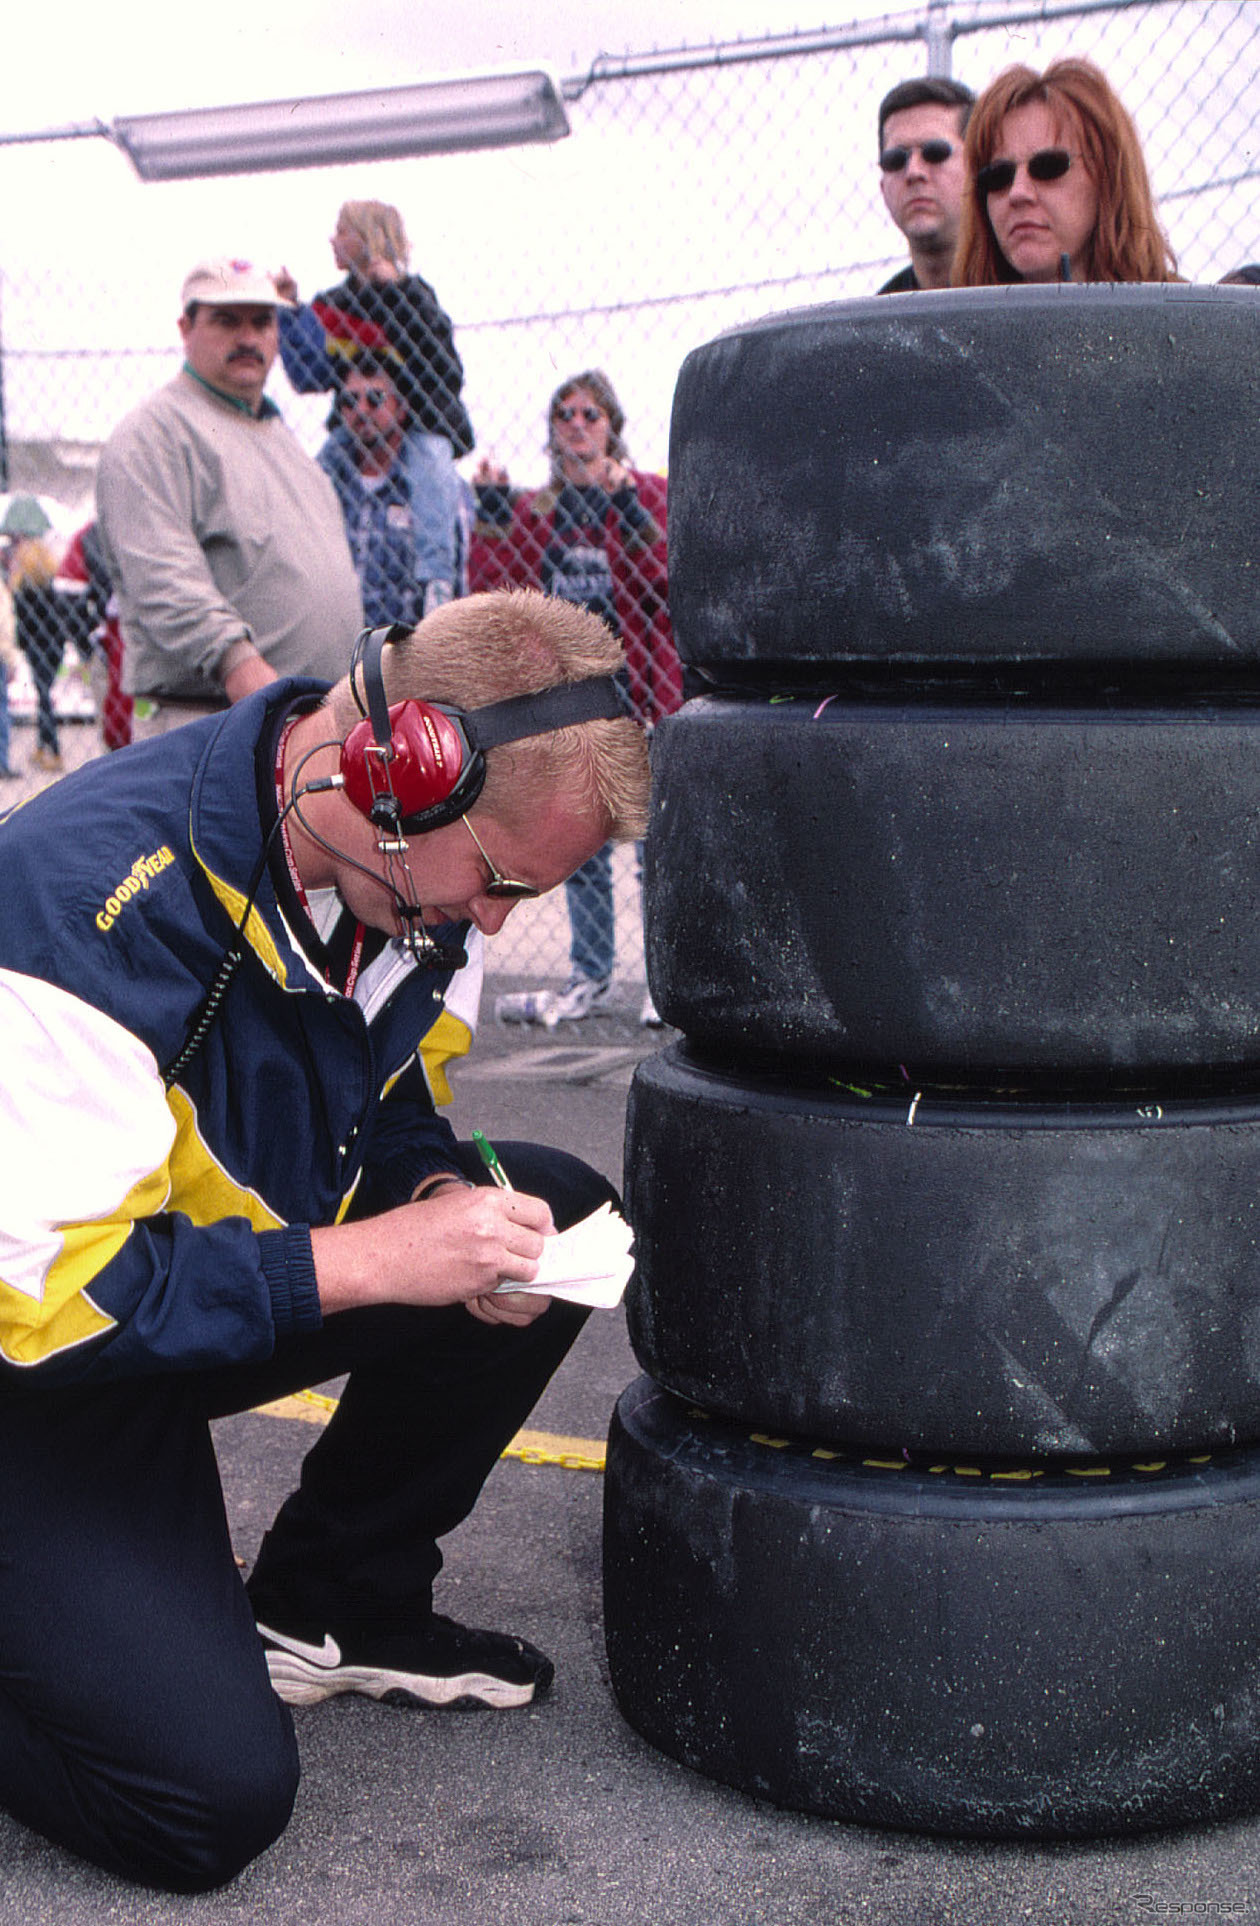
[(218, 1188), (365, 458), (922, 175)]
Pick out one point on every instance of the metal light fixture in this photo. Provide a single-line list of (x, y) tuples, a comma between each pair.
[(436, 117)]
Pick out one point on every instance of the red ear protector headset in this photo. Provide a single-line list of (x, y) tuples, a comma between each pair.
[(410, 769), (420, 765)]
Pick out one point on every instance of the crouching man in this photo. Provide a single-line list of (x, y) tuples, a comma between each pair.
[(232, 963)]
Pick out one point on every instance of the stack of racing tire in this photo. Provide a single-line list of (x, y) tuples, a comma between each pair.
[(939, 1506)]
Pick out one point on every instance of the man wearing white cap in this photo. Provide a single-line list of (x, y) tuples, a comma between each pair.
[(223, 539)]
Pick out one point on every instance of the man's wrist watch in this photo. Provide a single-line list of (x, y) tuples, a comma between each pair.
[(440, 1180)]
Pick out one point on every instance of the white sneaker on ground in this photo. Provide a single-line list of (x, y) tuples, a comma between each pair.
[(440, 1663), (578, 998)]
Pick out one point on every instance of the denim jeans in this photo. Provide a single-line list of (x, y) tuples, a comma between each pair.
[(4, 719), (434, 484), (41, 641), (592, 933)]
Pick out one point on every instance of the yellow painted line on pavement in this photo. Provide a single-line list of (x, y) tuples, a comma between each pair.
[(530, 1447), (549, 1448), (310, 1407)]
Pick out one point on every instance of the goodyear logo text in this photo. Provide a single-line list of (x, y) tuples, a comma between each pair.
[(138, 877)]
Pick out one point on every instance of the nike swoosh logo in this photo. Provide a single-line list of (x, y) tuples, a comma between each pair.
[(327, 1655)]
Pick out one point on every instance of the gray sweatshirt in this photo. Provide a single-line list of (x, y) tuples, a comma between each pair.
[(218, 527)]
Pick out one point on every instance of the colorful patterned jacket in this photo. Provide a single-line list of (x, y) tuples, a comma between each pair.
[(404, 325)]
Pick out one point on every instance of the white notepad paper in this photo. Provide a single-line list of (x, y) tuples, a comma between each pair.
[(590, 1263)]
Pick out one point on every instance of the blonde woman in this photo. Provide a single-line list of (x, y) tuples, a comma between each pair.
[(31, 568), (8, 664), (382, 309)]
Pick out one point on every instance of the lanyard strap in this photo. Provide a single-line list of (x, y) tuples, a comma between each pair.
[(299, 889)]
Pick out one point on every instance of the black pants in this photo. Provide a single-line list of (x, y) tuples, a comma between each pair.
[(137, 1722)]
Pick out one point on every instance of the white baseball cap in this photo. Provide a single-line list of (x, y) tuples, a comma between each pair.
[(226, 283)]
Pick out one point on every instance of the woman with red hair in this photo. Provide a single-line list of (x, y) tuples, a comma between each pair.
[(1058, 188)]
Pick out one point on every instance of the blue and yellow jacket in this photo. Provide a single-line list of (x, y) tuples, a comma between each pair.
[(144, 1229)]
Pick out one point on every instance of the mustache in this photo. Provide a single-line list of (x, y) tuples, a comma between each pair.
[(246, 354)]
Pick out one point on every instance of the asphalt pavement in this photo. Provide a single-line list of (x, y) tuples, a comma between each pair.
[(559, 1815)]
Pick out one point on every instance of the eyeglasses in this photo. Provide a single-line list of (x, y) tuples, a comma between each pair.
[(369, 398), (935, 153), (499, 884), (1047, 164), (588, 413)]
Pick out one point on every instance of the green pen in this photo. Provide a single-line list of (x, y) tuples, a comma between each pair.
[(490, 1158)]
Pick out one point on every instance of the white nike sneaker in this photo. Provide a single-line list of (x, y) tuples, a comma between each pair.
[(441, 1663), (580, 995)]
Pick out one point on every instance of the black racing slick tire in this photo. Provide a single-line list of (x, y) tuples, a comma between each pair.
[(1016, 474), (1046, 1657), (967, 893), (903, 1272)]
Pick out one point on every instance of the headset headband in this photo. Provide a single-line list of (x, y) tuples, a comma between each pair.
[(595, 698)]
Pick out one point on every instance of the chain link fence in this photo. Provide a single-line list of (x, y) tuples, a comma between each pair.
[(700, 188)]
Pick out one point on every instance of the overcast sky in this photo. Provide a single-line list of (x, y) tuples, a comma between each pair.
[(112, 57)]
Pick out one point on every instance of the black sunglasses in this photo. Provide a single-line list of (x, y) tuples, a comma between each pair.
[(934, 152), (1048, 164), (370, 398), (566, 413)]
